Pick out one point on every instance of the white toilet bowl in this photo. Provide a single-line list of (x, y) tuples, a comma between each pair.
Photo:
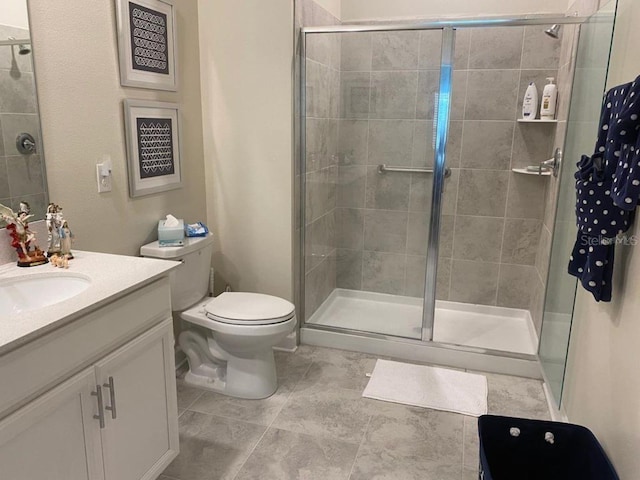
[(233, 355)]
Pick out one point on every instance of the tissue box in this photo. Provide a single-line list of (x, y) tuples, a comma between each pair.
[(171, 236)]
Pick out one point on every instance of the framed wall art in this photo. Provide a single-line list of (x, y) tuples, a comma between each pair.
[(153, 135), (147, 44)]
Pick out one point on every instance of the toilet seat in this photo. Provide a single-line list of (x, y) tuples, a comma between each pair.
[(242, 308)]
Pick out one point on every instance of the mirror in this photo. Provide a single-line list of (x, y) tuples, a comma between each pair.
[(22, 166)]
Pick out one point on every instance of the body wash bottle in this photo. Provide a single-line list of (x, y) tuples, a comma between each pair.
[(530, 102), (549, 99)]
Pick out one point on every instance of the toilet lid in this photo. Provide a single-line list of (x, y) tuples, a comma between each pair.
[(249, 308)]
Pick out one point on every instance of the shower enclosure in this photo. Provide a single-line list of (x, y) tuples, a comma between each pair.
[(421, 220)]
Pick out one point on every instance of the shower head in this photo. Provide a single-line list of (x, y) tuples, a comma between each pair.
[(23, 48), (554, 31)]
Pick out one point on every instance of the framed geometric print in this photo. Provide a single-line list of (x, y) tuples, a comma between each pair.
[(153, 134), (147, 44)]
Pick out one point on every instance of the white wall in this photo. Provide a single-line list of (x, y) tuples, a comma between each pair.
[(602, 388), (78, 80), (334, 7), (14, 13), (353, 10), (246, 54)]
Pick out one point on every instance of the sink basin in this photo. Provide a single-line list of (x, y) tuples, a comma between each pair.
[(31, 292)]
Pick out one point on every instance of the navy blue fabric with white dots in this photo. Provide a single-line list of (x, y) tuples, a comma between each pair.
[(607, 190)]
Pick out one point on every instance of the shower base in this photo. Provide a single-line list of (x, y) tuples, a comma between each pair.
[(494, 328)]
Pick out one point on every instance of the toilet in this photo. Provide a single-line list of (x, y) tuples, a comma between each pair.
[(230, 338)]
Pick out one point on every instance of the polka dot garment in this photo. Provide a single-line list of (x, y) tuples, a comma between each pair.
[(599, 215)]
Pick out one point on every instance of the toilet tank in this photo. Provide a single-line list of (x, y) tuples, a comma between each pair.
[(190, 281)]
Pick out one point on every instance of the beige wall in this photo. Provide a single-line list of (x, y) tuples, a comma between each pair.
[(353, 10), (78, 81), (246, 54), (602, 388)]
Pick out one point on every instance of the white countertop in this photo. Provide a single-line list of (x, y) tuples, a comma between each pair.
[(112, 276)]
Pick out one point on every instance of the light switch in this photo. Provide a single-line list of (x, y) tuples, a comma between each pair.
[(103, 175)]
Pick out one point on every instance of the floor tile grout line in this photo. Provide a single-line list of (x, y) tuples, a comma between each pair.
[(364, 434)]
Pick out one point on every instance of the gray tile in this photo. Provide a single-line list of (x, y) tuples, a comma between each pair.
[(325, 411), (320, 193), (487, 145), (350, 228), (454, 144), (349, 269), (516, 397), (395, 50), (212, 447), (496, 48), (471, 446), (13, 125), (283, 455), (526, 196), (422, 153), (18, 93), (352, 141), (319, 282), (291, 365), (516, 285), (443, 280), (428, 88), (450, 195), (320, 240), (459, 94), (544, 253), (9, 58), (1, 139), (4, 179), (321, 143), (446, 236), (539, 77), (385, 231), (478, 238), (393, 95), (390, 142), (462, 47), (540, 50), (334, 94), (482, 192), (521, 237), (388, 191), (420, 197), (355, 91), (417, 233), (321, 48), (186, 395), (532, 144), (430, 49), (261, 412), (536, 307), (474, 282), (356, 52), (492, 95), (350, 189), (414, 281), (318, 80), (383, 272), (38, 206)]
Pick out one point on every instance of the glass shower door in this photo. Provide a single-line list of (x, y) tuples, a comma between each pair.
[(582, 128), (367, 177)]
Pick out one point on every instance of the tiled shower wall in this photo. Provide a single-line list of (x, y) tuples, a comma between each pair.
[(21, 176), (492, 217)]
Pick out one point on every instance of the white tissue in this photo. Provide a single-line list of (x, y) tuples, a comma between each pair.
[(171, 221)]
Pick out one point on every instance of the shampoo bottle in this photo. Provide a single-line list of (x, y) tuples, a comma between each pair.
[(530, 102), (549, 99)]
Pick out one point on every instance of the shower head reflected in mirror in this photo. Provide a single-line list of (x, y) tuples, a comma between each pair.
[(23, 48), (554, 31)]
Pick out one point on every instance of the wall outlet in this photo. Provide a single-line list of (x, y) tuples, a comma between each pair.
[(104, 176)]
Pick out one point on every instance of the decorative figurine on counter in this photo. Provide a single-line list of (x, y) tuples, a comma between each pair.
[(54, 222), (60, 261), (22, 238), (66, 238)]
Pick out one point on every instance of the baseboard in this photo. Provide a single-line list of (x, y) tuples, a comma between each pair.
[(557, 414)]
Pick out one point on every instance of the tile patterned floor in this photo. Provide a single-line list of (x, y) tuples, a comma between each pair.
[(318, 426)]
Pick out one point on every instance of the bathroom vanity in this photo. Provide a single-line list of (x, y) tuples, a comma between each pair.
[(87, 385)]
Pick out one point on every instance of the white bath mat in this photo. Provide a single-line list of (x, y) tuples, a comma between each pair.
[(429, 387)]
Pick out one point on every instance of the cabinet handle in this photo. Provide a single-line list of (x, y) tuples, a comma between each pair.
[(100, 415), (112, 396)]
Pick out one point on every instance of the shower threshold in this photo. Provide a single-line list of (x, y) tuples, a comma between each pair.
[(495, 328)]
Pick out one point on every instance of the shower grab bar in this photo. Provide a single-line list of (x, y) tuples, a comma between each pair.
[(384, 169)]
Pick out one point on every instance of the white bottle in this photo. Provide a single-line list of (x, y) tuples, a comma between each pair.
[(530, 102), (549, 99)]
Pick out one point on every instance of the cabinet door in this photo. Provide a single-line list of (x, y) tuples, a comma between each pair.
[(140, 437), (55, 437)]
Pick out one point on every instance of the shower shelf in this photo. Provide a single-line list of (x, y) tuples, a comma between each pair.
[(539, 120), (524, 171)]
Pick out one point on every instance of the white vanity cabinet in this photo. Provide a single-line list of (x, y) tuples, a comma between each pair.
[(116, 418)]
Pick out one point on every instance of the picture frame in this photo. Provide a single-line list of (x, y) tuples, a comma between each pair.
[(147, 44), (154, 146)]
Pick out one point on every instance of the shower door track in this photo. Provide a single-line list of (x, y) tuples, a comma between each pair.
[(441, 119)]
